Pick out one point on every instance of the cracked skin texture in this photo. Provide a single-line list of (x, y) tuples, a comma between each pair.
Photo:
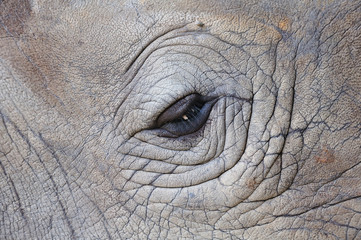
[(82, 84)]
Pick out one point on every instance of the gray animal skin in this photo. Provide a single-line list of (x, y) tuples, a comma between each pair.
[(150, 119)]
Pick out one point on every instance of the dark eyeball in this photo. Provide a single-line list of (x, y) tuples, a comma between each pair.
[(185, 116)]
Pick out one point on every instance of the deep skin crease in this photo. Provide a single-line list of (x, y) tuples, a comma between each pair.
[(186, 119)]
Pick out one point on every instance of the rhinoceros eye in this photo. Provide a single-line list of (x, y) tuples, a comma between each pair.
[(186, 116)]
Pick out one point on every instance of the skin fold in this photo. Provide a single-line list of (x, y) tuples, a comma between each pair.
[(89, 148)]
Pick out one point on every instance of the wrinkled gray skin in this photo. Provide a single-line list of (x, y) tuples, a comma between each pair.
[(82, 85)]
